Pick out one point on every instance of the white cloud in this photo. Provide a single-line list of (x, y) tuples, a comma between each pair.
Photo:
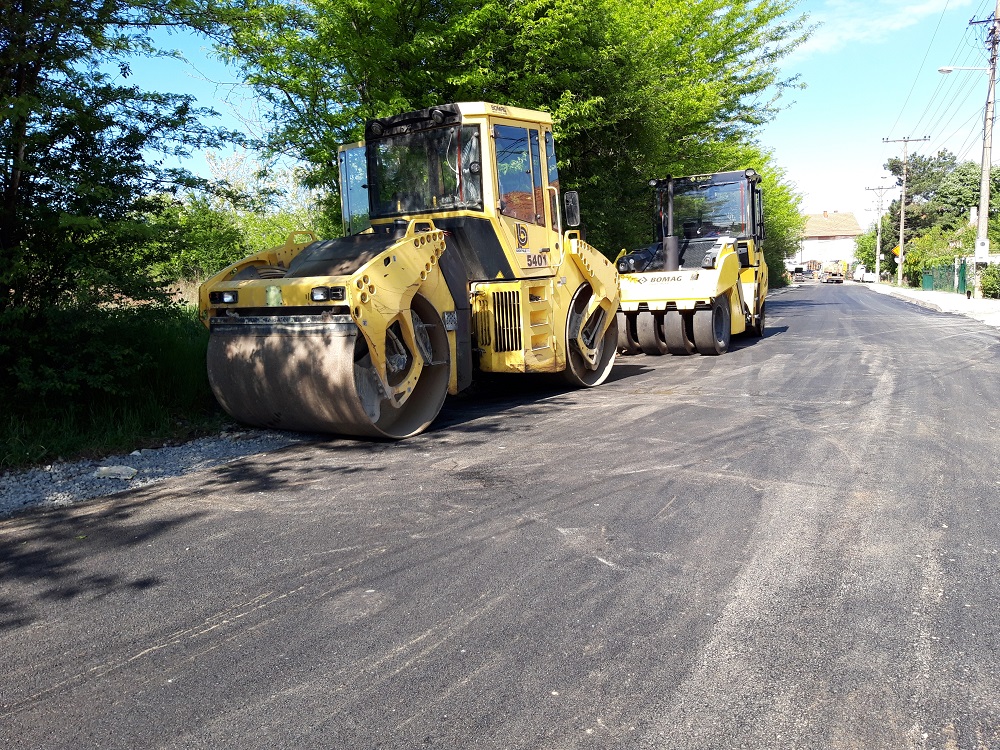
[(842, 22)]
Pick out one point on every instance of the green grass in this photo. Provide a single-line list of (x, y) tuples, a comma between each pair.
[(99, 430), (160, 394)]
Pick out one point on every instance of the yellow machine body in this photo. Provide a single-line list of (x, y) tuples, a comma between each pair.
[(454, 259), (705, 279)]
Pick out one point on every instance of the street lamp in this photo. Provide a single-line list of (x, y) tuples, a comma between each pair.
[(982, 238)]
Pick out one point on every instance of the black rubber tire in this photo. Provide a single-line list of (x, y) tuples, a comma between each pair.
[(757, 330), (677, 332), (712, 329), (649, 327), (628, 342)]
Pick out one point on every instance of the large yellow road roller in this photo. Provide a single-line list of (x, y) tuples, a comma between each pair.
[(454, 260), (704, 278)]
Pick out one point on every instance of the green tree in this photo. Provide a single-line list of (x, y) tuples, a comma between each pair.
[(637, 90), (864, 249), (77, 171), (783, 223)]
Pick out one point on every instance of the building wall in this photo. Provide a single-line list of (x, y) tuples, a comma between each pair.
[(841, 248)]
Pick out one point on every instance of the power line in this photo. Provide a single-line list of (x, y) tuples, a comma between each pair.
[(920, 67)]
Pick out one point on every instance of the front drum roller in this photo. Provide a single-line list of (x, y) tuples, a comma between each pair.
[(304, 373), (579, 370)]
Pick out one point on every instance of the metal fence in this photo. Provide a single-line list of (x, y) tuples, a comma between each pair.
[(950, 278)]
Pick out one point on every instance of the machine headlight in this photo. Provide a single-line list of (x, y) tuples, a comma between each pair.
[(327, 294), (224, 298)]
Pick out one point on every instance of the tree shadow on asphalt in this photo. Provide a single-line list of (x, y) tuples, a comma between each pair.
[(47, 555), (43, 555)]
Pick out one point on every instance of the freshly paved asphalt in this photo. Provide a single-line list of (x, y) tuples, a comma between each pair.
[(794, 545)]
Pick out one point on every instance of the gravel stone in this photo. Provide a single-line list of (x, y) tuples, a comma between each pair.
[(64, 483)]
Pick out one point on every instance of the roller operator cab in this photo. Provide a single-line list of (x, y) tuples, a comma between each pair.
[(704, 278), (454, 260)]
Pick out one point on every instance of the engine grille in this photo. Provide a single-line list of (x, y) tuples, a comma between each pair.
[(506, 321)]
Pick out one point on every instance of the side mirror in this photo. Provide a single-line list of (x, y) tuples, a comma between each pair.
[(571, 204)]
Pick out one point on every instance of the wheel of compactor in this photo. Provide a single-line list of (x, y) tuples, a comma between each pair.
[(649, 327), (579, 372), (628, 342), (678, 332), (301, 373), (757, 330), (712, 330)]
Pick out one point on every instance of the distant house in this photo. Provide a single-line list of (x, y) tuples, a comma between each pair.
[(829, 236)]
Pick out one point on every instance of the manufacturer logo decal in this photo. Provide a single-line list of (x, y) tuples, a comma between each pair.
[(640, 278), (522, 235)]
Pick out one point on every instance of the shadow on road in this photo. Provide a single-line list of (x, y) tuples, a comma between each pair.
[(43, 555)]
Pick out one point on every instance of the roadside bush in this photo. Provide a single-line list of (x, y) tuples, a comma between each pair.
[(92, 379), (989, 280)]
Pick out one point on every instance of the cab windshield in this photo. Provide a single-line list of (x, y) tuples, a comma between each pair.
[(704, 210), (428, 170)]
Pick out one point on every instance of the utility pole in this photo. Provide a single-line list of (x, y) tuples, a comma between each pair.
[(880, 191), (982, 237), (902, 202)]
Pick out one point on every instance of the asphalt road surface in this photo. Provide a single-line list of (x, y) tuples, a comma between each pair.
[(794, 545)]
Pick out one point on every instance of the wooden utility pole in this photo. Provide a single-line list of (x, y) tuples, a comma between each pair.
[(880, 191), (902, 202)]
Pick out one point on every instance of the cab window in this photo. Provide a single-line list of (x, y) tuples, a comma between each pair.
[(550, 159), (536, 172), (514, 174)]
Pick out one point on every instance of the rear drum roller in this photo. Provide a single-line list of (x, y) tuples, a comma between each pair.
[(677, 330), (649, 327), (579, 372), (628, 342), (712, 330)]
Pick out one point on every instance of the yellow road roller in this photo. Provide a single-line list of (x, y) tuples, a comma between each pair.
[(454, 260), (704, 279)]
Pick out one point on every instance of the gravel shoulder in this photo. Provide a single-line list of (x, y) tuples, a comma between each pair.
[(68, 482)]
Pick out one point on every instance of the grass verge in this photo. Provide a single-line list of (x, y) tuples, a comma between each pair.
[(159, 392)]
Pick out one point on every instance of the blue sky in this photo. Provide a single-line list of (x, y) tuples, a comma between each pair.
[(870, 72)]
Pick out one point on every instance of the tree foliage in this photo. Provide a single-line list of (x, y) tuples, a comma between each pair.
[(940, 193), (637, 90), (78, 164), (783, 223), (196, 234)]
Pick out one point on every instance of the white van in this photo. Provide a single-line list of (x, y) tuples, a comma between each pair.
[(863, 274)]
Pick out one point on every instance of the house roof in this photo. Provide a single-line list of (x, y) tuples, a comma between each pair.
[(834, 224)]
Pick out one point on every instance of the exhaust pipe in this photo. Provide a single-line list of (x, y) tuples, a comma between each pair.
[(671, 254)]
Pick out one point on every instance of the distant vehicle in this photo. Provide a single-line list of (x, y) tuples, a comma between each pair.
[(864, 275), (799, 274), (832, 273)]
